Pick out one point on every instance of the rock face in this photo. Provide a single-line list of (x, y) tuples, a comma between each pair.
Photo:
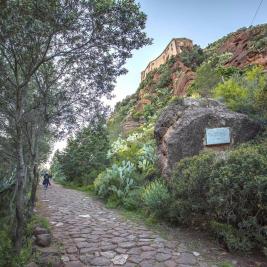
[(129, 124), (240, 44), (180, 130)]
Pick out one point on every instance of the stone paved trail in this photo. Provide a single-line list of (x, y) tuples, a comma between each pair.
[(95, 236)]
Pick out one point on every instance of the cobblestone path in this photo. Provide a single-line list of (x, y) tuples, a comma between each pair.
[(95, 236)]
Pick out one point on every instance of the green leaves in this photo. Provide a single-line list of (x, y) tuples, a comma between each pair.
[(84, 157), (245, 93), (230, 190), (156, 198)]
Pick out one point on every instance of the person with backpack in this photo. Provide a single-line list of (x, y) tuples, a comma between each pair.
[(46, 181)]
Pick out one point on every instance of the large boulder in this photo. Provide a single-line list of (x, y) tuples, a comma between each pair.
[(180, 130)]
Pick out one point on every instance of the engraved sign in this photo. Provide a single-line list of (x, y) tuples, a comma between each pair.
[(217, 136)]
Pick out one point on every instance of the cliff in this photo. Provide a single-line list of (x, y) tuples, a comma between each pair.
[(170, 74)]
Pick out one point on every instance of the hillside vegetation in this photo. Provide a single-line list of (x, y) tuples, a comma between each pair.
[(225, 194)]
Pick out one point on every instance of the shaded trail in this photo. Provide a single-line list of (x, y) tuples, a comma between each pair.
[(93, 235)]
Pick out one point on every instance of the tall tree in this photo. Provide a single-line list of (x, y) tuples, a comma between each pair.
[(85, 155), (57, 59)]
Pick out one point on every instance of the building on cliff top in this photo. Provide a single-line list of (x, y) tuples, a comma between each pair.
[(175, 47)]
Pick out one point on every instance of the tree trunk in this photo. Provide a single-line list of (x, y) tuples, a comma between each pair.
[(35, 171), (34, 186), (21, 172)]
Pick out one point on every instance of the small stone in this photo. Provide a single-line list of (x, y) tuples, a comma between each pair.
[(40, 230), (187, 258), (196, 253), (147, 248), (147, 255), (123, 251), (127, 245), (108, 254), (74, 264), (65, 258), (170, 263), (54, 261), (71, 250), (88, 250), (120, 259), (99, 261), (59, 224), (43, 240), (135, 259), (84, 216), (147, 264), (97, 254), (83, 245), (162, 257)]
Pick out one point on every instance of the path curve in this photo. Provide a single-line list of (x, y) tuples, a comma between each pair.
[(93, 235)]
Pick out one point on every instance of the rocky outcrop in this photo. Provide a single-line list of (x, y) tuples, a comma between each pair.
[(129, 124), (182, 77), (180, 130), (245, 48)]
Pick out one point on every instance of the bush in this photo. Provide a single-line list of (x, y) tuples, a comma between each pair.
[(116, 181), (6, 258), (230, 190), (245, 93), (189, 183), (156, 198), (230, 237), (133, 201), (165, 77), (193, 58), (210, 73)]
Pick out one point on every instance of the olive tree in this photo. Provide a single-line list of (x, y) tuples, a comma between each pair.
[(57, 60)]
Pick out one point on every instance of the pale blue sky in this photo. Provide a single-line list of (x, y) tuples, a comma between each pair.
[(203, 21)]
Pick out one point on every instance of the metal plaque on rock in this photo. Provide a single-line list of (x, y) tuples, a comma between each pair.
[(218, 136)]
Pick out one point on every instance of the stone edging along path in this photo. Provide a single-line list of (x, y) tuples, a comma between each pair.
[(92, 235)]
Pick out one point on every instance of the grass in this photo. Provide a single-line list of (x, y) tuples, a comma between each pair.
[(225, 264)]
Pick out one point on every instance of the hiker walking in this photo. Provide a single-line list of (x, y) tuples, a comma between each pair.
[(46, 181)]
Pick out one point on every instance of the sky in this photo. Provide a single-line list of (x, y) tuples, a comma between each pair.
[(203, 21)]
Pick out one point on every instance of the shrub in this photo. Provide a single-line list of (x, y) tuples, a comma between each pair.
[(230, 237), (193, 58), (230, 190), (117, 181), (5, 249), (165, 77), (245, 93), (156, 198), (149, 110), (210, 73), (133, 201), (189, 185)]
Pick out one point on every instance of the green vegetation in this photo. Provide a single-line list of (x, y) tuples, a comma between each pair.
[(193, 58), (84, 156), (245, 93), (209, 74), (133, 162), (228, 193), (156, 198), (225, 193), (7, 250), (52, 82)]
